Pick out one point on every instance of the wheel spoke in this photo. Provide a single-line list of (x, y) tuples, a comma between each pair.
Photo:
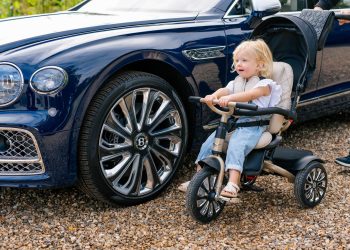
[(133, 176), (113, 122), (117, 168), (154, 116), (204, 210), (313, 174), (165, 162), (168, 118), (307, 186), (130, 104), (167, 131), (317, 195), (152, 173), (126, 114), (115, 140), (321, 176), (164, 153), (210, 210), (204, 188), (308, 193), (142, 106), (217, 206), (201, 197), (173, 124), (321, 191)]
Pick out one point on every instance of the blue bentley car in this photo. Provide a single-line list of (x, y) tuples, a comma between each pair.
[(98, 95)]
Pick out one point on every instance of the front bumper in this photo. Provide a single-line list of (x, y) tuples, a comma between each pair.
[(31, 156)]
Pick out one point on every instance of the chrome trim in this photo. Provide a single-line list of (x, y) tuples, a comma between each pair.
[(33, 160), (229, 10), (22, 83), (65, 80), (322, 98), (217, 49)]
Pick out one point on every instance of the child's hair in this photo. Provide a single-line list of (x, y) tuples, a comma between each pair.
[(262, 53)]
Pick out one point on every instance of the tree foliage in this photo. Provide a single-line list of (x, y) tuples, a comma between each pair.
[(10, 8)]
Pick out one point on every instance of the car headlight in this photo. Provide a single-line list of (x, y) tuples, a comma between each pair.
[(48, 80), (11, 83)]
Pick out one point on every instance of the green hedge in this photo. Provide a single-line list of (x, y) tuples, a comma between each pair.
[(10, 8)]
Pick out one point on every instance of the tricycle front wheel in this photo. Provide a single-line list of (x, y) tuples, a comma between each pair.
[(310, 185), (201, 202)]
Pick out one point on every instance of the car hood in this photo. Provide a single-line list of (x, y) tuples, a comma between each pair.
[(31, 29)]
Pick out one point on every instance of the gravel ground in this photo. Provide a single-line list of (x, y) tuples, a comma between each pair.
[(68, 219)]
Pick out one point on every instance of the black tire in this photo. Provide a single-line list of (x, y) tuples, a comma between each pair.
[(132, 139), (310, 185), (200, 202)]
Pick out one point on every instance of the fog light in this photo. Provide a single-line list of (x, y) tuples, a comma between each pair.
[(49, 80)]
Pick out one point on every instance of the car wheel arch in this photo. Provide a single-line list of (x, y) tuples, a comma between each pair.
[(186, 87), (165, 70)]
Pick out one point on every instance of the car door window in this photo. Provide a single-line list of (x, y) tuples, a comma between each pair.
[(242, 7), (293, 5)]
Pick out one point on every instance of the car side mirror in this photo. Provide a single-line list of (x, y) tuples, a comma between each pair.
[(262, 9)]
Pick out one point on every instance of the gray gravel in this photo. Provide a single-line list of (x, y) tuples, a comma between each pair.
[(68, 219)]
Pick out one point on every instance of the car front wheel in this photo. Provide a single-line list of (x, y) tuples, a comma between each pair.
[(132, 139)]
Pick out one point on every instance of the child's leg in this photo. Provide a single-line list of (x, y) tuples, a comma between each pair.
[(234, 176), (203, 153), (241, 143), (206, 148)]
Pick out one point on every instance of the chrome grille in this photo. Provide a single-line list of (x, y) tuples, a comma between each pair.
[(21, 145), (19, 153), (20, 168)]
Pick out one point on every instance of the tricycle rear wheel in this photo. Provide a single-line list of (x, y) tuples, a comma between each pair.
[(310, 185)]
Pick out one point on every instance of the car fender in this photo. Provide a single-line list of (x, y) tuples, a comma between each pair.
[(122, 62)]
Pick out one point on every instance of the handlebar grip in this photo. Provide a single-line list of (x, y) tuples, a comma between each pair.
[(246, 106), (194, 98)]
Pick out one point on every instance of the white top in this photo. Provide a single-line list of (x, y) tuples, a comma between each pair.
[(264, 101)]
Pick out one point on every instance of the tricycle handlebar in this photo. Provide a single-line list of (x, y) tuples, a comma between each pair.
[(251, 109), (239, 105)]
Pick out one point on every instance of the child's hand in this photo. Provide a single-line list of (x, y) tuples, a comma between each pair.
[(209, 99), (224, 100)]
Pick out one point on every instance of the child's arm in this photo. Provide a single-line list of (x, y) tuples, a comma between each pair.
[(216, 95), (246, 96)]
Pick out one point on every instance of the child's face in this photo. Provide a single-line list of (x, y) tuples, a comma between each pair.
[(246, 64)]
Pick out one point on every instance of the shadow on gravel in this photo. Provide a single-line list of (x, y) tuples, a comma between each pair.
[(345, 172)]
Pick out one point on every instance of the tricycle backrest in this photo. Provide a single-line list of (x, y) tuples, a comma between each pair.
[(282, 75)]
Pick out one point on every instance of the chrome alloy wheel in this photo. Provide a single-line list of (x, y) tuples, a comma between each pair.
[(315, 185), (140, 141)]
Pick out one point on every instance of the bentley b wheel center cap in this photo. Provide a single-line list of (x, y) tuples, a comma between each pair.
[(141, 141)]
